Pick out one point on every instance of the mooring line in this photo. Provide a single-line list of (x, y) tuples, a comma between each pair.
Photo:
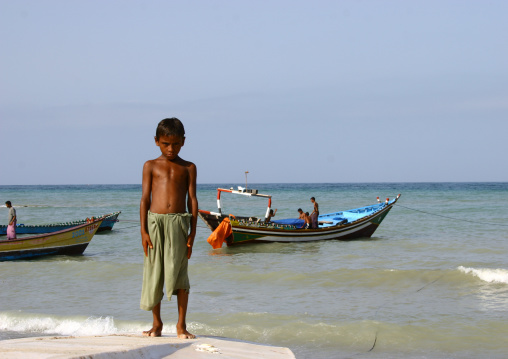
[(434, 281), (373, 345), (453, 218), (381, 306)]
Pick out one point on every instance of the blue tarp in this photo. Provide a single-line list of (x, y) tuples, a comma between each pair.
[(290, 221)]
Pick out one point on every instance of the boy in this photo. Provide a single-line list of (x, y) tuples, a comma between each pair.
[(315, 213), (11, 227), (169, 186), (308, 224), (306, 219)]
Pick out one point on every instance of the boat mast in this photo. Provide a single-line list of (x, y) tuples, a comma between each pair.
[(244, 192), (269, 207)]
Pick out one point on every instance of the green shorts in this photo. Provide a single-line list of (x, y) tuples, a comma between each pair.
[(167, 262)]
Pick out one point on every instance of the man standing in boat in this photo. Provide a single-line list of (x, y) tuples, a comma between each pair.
[(11, 227), (315, 213)]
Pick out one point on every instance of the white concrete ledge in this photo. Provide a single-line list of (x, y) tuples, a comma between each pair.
[(137, 346)]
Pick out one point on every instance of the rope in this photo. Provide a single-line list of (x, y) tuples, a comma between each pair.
[(373, 345), (453, 218), (381, 306)]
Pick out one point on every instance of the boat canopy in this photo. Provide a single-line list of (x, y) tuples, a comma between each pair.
[(290, 221)]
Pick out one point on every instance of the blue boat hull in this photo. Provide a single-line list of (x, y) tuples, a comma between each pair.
[(107, 225), (34, 253)]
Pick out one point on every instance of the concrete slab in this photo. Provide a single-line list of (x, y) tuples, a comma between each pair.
[(137, 347)]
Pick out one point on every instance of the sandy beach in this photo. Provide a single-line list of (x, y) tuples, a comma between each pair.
[(136, 346)]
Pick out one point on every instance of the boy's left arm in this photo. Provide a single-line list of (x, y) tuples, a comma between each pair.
[(192, 204)]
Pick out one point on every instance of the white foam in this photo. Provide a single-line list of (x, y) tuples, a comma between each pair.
[(74, 326), (487, 274), (51, 325)]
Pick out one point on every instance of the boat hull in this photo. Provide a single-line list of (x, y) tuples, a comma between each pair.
[(72, 241), (107, 225), (246, 230)]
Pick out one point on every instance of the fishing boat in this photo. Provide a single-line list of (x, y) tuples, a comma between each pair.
[(108, 222), (71, 241), (344, 225)]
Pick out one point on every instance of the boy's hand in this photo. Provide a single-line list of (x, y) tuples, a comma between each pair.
[(190, 243), (146, 242)]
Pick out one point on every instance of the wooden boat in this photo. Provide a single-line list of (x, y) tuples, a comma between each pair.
[(107, 225), (71, 241), (345, 225)]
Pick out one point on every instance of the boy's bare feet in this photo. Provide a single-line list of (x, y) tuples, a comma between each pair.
[(157, 324), (184, 334), (154, 332)]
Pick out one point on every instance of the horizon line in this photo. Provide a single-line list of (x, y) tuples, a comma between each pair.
[(251, 183)]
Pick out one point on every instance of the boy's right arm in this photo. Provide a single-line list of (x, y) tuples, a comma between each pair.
[(144, 206)]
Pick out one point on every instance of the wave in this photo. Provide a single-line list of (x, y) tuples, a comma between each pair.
[(487, 274), (53, 325), (307, 336)]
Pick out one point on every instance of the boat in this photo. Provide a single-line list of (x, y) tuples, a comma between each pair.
[(108, 222), (343, 225), (71, 241)]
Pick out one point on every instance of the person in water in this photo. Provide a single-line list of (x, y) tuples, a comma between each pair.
[(11, 226), (168, 191)]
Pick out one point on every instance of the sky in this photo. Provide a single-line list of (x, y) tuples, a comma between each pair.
[(291, 91)]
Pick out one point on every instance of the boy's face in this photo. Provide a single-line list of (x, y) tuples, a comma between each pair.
[(170, 146)]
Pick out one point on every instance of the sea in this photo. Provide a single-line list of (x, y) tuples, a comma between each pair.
[(432, 282)]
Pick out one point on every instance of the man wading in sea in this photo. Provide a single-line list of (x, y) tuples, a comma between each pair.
[(11, 227), (169, 186)]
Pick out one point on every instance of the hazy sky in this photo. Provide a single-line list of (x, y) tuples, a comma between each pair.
[(291, 91)]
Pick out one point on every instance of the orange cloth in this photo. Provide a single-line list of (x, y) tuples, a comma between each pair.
[(220, 234)]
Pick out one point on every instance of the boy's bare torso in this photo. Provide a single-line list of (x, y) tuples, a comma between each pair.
[(169, 185)]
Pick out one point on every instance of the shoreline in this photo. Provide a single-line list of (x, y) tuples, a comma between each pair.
[(137, 346)]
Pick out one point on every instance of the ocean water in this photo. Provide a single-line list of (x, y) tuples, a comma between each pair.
[(431, 283)]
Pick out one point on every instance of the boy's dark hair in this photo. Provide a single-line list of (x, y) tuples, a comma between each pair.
[(170, 127), (299, 210), (8, 203)]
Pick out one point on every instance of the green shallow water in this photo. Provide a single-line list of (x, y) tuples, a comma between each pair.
[(431, 283)]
